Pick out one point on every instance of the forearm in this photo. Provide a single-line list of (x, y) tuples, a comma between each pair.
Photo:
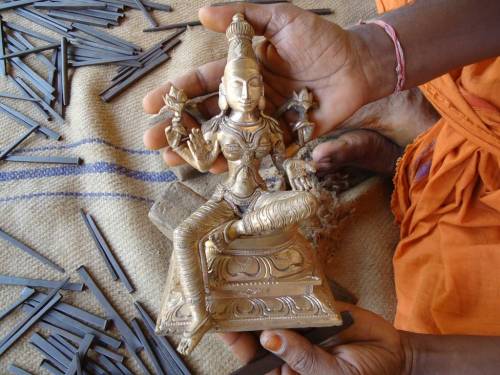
[(441, 355), (436, 35)]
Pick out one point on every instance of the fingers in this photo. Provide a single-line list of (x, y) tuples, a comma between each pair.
[(201, 81), (244, 345), (360, 148), (299, 354), (270, 58)]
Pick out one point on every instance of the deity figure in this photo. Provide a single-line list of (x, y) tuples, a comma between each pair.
[(241, 207)]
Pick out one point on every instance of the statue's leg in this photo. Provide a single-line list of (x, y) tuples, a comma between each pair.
[(186, 245), (278, 210)]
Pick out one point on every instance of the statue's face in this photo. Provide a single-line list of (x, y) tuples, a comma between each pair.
[(243, 86)]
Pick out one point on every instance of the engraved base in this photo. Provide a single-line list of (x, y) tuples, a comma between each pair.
[(270, 281)]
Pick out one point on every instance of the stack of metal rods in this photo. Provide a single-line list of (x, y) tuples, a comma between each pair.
[(80, 43), (75, 332), (148, 61)]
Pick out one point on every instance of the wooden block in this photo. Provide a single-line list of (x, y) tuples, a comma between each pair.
[(175, 205)]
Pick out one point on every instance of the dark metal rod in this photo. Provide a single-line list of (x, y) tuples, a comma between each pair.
[(10, 96), (109, 254), (146, 14), (111, 60), (172, 26), (40, 56), (59, 331), (138, 360), (99, 246), (37, 104), (43, 159), (38, 283), (105, 36), (25, 294), (120, 324), (15, 4), (52, 298), (95, 367), (50, 351), (71, 324), (28, 250), (13, 369), (169, 352), (69, 5), (29, 32), (77, 313), (3, 65), (64, 73), (40, 83), (136, 327), (2, 156), (33, 94), (27, 122), (118, 88), (40, 21), (80, 354), (30, 51), (72, 17)]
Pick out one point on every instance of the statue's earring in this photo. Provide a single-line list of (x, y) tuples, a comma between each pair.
[(223, 104), (262, 103)]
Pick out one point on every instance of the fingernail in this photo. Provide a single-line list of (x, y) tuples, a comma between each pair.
[(271, 342)]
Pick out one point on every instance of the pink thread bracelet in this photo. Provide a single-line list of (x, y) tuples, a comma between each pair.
[(400, 58)]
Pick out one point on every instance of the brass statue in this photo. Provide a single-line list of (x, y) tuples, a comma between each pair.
[(239, 261)]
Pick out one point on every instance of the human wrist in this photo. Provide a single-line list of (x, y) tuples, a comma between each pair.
[(377, 59)]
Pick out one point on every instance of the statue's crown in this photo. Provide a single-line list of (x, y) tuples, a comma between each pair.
[(239, 28), (240, 34)]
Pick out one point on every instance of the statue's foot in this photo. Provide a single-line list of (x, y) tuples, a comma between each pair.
[(194, 334)]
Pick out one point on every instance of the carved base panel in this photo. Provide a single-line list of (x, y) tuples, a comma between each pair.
[(252, 314), (255, 287)]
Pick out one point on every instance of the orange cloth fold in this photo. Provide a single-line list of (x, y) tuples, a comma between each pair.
[(447, 201)]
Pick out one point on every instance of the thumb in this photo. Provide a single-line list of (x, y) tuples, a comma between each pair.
[(299, 354)]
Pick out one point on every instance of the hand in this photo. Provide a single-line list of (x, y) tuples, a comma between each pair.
[(371, 346), (299, 174), (302, 49), (364, 149)]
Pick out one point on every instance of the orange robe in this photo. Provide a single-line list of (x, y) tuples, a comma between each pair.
[(447, 201)]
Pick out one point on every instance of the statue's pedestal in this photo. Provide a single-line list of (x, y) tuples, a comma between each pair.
[(269, 281)]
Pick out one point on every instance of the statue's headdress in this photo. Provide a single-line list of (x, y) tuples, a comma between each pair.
[(240, 34)]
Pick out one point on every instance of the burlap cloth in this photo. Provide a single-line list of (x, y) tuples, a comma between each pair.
[(120, 180)]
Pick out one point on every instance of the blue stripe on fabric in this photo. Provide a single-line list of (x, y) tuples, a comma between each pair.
[(96, 168), (87, 141), (70, 194)]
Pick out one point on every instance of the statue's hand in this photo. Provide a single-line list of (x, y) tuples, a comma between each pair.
[(201, 149), (175, 133), (300, 174)]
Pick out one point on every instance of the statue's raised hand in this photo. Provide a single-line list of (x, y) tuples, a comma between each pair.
[(300, 174)]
